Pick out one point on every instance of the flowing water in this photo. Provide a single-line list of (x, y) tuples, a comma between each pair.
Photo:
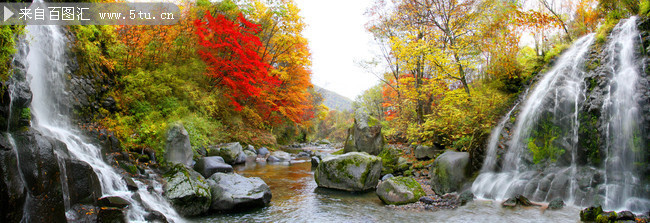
[(296, 198), (46, 75), (541, 158)]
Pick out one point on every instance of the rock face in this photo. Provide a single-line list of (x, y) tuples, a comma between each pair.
[(12, 188), (228, 151), (351, 172), (188, 191), (207, 166), (232, 191), (83, 185), (365, 135), (178, 148), (399, 190), (426, 152), (449, 172)]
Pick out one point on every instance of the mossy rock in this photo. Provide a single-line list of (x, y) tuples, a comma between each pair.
[(400, 190), (449, 172), (590, 213), (389, 157), (188, 191), (351, 172), (607, 217)]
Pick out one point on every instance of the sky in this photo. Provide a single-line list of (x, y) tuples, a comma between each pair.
[(337, 39)]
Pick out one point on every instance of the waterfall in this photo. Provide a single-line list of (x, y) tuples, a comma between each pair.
[(46, 76), (624, 141), (544, 159)]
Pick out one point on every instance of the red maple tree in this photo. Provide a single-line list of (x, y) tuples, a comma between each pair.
[(230, 49)]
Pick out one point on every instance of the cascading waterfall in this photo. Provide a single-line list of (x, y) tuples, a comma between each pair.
[(624, 141), (543, 159), (46, 69)]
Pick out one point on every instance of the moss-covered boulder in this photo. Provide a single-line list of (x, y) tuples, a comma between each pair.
[(399, 190), (351, 172), (178, 149), (187, 190), (228, 151), (590, 213), (365, 135), (389, 157), (449, 172)]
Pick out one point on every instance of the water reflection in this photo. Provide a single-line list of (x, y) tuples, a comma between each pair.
[(296, 198)]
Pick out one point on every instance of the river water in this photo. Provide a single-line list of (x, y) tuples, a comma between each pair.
[(296, 198)]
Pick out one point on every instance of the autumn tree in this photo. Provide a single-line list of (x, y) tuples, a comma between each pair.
[(230, 51)]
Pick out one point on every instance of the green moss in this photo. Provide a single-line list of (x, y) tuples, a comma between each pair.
[(389, 157), (339, 152), (541, 142), (26, 114)]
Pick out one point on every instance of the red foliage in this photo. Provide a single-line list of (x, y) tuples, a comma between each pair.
[(230, 51)]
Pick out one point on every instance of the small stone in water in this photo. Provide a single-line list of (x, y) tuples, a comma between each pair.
[(427, 200)]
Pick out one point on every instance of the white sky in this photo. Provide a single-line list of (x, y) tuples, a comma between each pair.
[(337, 38)]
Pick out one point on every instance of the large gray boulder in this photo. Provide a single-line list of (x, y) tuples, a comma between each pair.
[(351, 172), (209, 165), (83, 184), (188, 191), (231, 191), (178, 149), (279, 156), (400, 190), (365, 135), (228, 151), (449, 172), (426, 152)]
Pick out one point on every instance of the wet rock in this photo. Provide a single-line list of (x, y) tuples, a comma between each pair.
[(365, 135), (315, 161), (466, 197), (241, 158), (207, 166), (449, 172), (351, 172), (387, 176), (427, 200), (113, 201), (188, 191), (625, 216), (303, 154), (399, 190), (389, 157), (12, 188), (235, 192), (426, 152), (609, 216), (279, 156), (111, 215), (590, 213), (130, 184), (556, 204), (155, 216), (40, 167), (228, 151), (518, 200), (178, 147), (83, 184), (250, 155)]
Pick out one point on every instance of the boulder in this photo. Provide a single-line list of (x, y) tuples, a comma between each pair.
[(279, 156), (426, 152), (315, 161), (324, 142), (250, 155), (555, 204), (235, 192), (387, 176), (12, 187), (188, 191), (590, 213), (40, 167), (625, 216), (518, 200), (83, 184), (608, 216), (178, 149), (465, 197), (400, 190), (207, 166), (389, 157), (130, 184), (111, 215), (449, 172), (241, 158), (403, 164), (228, 151), (365, 134), (351, 172), (113, 201), (263, 152)]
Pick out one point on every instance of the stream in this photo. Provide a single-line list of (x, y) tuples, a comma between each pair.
[(296, 198)]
